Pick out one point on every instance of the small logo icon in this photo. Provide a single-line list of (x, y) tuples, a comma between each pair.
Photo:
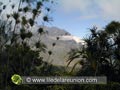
[(16, 79)]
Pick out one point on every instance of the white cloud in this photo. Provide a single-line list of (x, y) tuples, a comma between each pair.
[(75, 5), (108, 9)]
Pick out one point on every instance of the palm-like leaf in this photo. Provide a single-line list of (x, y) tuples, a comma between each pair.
[(73, 54)]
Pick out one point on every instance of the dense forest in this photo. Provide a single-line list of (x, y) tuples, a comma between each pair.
[(100, 56)]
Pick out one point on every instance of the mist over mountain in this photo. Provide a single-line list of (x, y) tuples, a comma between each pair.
[(63, 40)]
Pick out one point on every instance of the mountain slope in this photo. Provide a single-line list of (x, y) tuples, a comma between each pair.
[(64, 44)]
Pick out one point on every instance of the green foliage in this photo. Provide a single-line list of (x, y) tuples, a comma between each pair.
[(31, 21), (45, 18), (15, 16), (113, 27), (16, 55), (25, 9), (40, 30), (101, 53), (100, 56), (24, 21), (50, 52)]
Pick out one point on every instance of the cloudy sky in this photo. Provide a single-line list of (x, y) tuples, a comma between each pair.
[(76, 16)]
